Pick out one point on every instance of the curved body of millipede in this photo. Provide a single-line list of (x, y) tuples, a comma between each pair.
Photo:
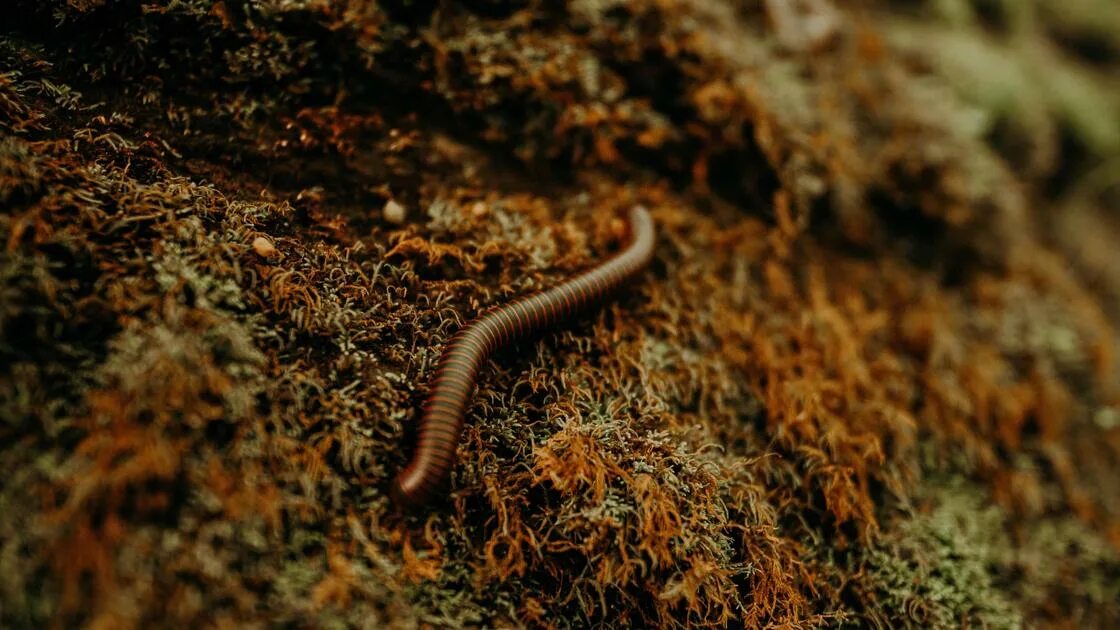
[(458, 367)]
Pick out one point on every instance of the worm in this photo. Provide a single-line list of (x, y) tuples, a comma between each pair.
[(445, 408)]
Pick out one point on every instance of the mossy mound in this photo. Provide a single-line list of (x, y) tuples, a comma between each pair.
[(869, 379)]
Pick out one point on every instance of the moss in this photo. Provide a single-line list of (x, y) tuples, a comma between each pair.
[(867, 380), (954, 560), (942, 567)]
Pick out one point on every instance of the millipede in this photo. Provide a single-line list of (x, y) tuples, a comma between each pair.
[(445, 409)]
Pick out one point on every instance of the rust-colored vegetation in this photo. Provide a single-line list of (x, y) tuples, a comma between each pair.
[(870, 377)]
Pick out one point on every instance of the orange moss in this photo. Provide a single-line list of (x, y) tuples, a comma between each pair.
[(850, 298)]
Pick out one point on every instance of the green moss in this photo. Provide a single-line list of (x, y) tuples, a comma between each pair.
[(942, 567)]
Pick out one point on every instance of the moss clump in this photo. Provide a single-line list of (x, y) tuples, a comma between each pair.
[(957, 559), (943, 566), (213, 341)]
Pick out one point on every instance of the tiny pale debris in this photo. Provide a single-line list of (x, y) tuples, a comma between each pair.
[(479, 210), (393, 212), (1107, 418), (264, 247), (313, 194), (804, 25)]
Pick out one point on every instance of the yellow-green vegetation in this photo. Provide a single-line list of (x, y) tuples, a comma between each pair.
[(869, 379)]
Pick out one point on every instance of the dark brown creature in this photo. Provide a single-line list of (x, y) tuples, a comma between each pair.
[(458, 368)]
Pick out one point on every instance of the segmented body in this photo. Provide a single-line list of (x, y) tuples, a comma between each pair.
[(446, 406)]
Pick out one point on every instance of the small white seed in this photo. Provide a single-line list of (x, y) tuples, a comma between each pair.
[(393, 212)]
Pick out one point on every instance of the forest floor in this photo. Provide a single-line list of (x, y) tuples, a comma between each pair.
[(872, 377)]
